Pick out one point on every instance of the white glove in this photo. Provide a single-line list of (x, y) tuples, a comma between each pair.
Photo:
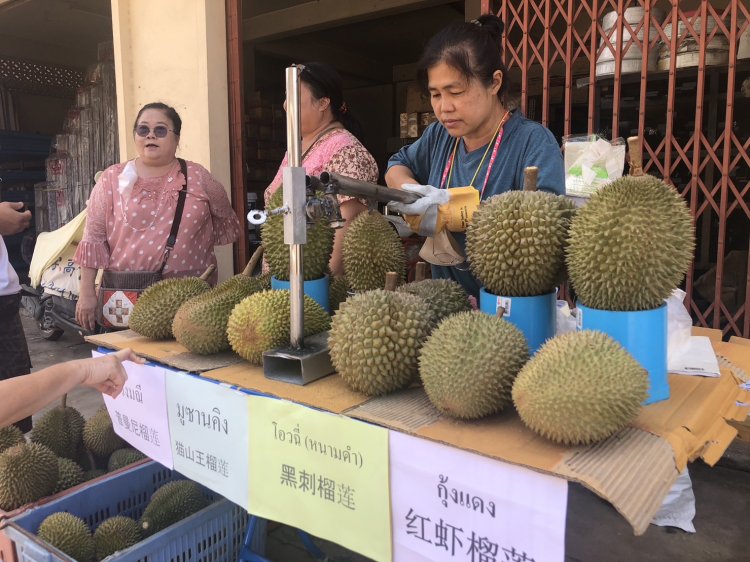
[(431, 196)]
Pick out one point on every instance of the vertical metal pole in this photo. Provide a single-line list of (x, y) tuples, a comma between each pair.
[(294, 150)]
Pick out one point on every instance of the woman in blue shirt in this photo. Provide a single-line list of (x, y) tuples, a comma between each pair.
[(477, 141)]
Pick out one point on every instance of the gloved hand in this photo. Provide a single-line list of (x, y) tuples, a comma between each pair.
[(438, 208)]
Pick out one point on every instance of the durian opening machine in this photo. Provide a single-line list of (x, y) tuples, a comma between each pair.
[(306, 200)]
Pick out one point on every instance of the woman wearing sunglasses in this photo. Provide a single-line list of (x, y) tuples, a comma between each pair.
[(330, 143), (133, 205)]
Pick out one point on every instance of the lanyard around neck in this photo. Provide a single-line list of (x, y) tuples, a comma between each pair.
[(448, 171)]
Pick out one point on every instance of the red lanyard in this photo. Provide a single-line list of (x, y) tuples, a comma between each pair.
[(449, 164)]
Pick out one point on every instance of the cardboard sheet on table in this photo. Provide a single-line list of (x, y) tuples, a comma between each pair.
[(167, 352), (633, 469), (329, 393)]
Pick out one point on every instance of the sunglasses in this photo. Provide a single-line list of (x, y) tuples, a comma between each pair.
[(160, 131)]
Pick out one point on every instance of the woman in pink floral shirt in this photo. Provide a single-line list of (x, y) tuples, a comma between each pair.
[(132, 207), (329, 143)]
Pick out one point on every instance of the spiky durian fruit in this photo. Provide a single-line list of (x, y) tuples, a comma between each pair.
[(372, 248), (116, 533), (69, 534), (170, 503), (201, 323), (579, 388), (10, 436), (631, 245), (69, 474), (123, 457), (338, 291), (375, 340), (28, 472), (516, 242), (445, 297), (61, 431), (155, 309), (262, 322), (469, 362), (99, 435), (318, 247)]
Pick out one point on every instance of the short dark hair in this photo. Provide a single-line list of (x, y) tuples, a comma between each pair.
[(473, 48), (325, 82), (170, 112)]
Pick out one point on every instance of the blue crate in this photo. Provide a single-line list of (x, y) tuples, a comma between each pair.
[(214, 534)]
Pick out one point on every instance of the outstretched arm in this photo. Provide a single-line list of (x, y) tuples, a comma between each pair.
[(27, 394)]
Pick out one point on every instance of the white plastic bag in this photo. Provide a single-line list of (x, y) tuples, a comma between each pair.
[(591, 162), (679, 322), (565, 320), (678, 508)]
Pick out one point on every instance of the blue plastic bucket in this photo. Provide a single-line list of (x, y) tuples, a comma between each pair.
[(534, 316), (643, 333), (316, 289)]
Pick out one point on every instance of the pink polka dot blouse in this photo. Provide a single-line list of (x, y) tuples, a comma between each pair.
[(130, 234)]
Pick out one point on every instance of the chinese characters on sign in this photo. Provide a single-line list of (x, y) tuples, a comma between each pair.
[(332, 469), (139, 413), (450, 504), (208, 422), (325, 488)]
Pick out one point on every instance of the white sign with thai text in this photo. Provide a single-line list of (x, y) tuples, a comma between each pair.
[(210, 439), (139, 413), (452, 505)]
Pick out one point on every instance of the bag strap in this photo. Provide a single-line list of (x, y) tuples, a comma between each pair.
[(172, 239)]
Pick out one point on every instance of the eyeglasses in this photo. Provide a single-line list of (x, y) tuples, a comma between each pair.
[(160, 131)]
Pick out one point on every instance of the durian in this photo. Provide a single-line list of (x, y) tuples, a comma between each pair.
[(338, 291), (70, 534), (630, 245), (579, 388), (317, 249), (201, 323), (262, 322), (469, 362), (155, 309), (28, 472), (99, 435), (375, 339), (10, 436), (515, 243), (372, 248), (123, 457), (170, 503), (69, 474), (444, 297), (60, 430), (116, 533)]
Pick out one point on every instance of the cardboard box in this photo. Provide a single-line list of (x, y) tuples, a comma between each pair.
[(403, 125), (412, 125), (633, 470), (416, 100)]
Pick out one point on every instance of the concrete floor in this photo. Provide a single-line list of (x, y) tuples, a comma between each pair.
[(595, 531)]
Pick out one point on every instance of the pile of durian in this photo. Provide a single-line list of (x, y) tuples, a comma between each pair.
[(63, 450), (627, 249), (244, 314), (169, 504)]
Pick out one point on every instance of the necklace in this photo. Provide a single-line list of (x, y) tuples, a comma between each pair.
[(497, 137)]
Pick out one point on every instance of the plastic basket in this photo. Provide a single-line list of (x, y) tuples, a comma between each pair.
[(213, 534), (7, 549)]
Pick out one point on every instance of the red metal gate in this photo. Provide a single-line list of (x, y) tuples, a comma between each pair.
[(594, 66)]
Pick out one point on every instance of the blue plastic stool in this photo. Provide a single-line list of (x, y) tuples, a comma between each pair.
[(534, 316)]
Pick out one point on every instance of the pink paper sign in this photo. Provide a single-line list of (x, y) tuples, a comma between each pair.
[(139, 413)]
